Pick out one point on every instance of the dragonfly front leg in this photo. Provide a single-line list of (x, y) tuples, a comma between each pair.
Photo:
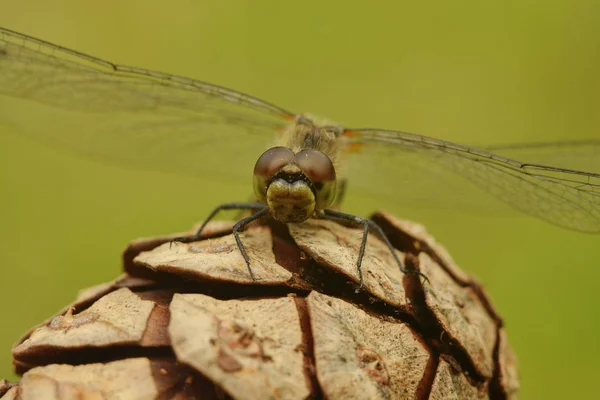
[(239, 225), (227, 206), (262, 210)]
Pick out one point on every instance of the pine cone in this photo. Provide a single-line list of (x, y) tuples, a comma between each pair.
[(186, 321)]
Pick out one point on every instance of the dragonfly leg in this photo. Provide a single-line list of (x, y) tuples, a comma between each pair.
[(340, 216), (384, 237), (239, 225), (263, 209), (367, 223), (240, 214), (227, 206)]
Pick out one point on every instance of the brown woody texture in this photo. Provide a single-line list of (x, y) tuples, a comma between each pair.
[(186, 321)]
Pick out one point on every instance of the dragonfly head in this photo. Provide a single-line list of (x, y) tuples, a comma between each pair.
[(294, 186)]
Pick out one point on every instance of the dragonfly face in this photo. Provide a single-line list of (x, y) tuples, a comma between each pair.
[(298, 179)]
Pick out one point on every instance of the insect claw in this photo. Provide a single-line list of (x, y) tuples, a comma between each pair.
[(360, 278), (419, 274), (179, 239)]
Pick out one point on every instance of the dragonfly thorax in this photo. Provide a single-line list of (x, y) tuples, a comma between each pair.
[(305, 133)]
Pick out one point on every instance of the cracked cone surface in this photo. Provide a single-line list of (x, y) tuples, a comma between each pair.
[(186, 321)]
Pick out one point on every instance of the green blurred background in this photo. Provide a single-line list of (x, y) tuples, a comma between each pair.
[(468, 71)]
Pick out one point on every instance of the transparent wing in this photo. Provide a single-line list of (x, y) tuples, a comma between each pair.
[(581, 155), (415, 169), (135, 116), (170, 123)]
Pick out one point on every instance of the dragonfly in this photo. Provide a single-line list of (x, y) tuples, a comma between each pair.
[(176, 124)]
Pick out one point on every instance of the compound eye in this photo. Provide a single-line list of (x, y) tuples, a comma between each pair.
[(319, 169), (315, 165), (272, 160)]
